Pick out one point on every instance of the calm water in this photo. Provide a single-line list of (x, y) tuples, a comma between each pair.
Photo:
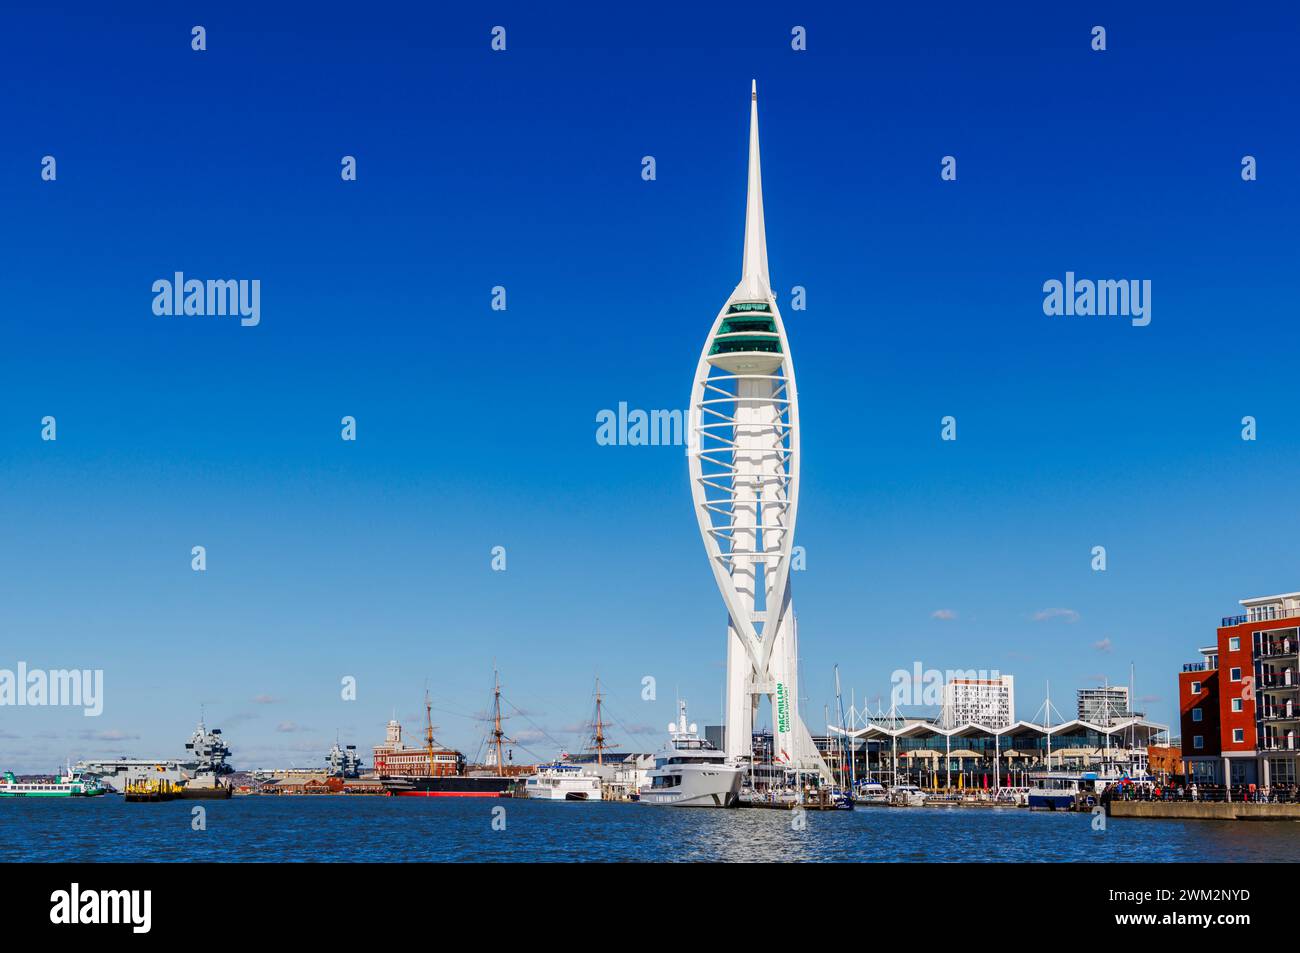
[(437, 829)]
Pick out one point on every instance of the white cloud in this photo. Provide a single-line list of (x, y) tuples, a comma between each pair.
[(946, 615), (1103, 645), (1069, 615), (110, 734)]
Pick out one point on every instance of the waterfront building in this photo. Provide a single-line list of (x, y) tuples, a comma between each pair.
[(1240, 704), (394, 757), (1166, 761), (985, 701), (744, 459), (1104, 705), (930, 753)]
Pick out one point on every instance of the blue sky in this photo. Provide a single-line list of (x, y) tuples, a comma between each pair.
[(476, 428)]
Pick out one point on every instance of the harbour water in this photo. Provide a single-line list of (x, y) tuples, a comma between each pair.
[(341, 829)]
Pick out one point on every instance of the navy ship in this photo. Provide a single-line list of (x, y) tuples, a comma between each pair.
[(208, 751), (200, 770)]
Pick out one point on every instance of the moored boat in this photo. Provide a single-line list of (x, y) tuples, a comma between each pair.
[(906, 795), (63, 785), (438, 783), (561, 781), (690, 772)]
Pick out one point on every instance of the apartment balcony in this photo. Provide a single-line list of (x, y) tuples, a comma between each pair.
[(1284, 681), (1278, 689), (1194, 667), (1279, 715), (1285, 649), (1262, 615), (1278, 744)]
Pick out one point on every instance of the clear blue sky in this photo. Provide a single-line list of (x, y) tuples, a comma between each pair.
[(476, 428)]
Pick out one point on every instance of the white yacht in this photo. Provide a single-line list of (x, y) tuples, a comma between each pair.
[(561, 781), (690, 772), (906, 795)]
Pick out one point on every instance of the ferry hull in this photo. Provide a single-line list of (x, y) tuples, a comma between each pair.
[(1051, 802)]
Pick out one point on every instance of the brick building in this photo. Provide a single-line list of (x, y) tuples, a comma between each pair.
[(1240, 705)]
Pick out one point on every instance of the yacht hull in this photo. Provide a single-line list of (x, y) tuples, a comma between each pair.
[(695, 787)]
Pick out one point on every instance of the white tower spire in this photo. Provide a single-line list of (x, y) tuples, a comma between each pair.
[(744, 465), (753, 273)]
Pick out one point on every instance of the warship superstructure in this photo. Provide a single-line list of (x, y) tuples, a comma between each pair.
[(343, 762)]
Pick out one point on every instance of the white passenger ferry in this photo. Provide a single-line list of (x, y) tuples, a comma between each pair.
[(561, 781), (63, 785)]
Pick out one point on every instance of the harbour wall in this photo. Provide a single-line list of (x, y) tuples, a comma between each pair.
[(1206, 811)]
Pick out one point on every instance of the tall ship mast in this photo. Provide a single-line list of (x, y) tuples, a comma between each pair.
[(428, 730), (499, 739), (598, 743), (434, 770)]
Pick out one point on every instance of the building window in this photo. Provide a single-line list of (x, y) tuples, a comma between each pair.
[(1234, 674), (1236, 704), (1281, 771), (1196, 714), (1196, 688), (1234, 644), (1198, 742), (1238, 735)]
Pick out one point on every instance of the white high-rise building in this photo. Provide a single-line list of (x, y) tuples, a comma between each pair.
[(744, 468), (1105, 705), (990, 702)]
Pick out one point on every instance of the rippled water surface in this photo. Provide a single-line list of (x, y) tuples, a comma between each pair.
[(438, 829)]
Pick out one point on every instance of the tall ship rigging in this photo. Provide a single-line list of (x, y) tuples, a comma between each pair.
[(436, 770)]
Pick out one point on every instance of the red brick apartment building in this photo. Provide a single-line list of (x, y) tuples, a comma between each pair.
[(1240, 705)]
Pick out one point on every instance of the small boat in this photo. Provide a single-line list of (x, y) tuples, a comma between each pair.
[(561, 781), (869, 792), (63, 785), (1067, 790), (1055, 791), (906, 795)]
